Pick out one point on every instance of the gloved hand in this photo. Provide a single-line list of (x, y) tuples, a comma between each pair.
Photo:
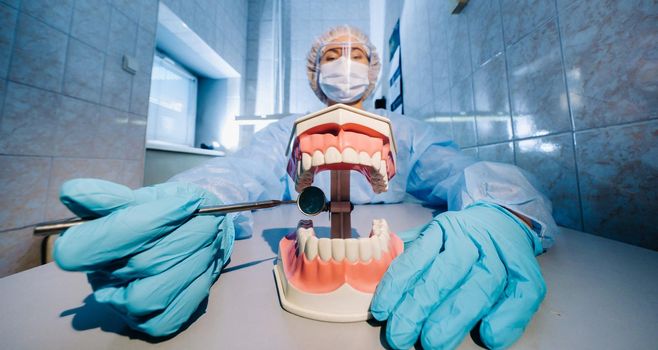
[(143, 255), (477, 264)]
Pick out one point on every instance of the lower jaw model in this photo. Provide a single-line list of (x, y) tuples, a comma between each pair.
[(333, 279)]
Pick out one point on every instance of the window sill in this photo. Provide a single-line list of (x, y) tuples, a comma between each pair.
[(170, 147)]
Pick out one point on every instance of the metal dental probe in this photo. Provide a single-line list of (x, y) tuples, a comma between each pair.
[(311, 201)]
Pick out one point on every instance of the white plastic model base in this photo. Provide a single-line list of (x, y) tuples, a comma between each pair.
[(345, 304)]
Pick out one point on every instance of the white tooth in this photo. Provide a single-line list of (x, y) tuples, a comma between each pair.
[(332, 156), (385, 229), (376, 247), (376, 226), (376, 160), (318, 158), (299, 169), (352, 249), (365, 249), (302, 236), (306, 161), (350, 156), (324, 248), (311, 248), (383, 243), (382, 170), (364, 159), (338, 249)]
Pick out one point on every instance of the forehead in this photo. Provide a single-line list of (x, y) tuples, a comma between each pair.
[(344, 39), (343, 42)]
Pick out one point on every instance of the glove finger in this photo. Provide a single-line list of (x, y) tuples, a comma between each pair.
[(179, 310), (198, 232), (225, 246), (445, 274), (89, 198), (523, 294), (449, 322), (405, 271), (125, 232), (154, 293), (410, 235), (94, 197), (187, 302)]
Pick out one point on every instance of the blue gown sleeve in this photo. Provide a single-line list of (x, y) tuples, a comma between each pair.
[(441, 174), (256, 172)]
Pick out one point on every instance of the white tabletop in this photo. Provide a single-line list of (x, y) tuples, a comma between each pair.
[(602, 294)]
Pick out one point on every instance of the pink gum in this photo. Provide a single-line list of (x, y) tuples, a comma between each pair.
[(318, 276)]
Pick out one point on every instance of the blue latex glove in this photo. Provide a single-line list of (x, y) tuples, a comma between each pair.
[(477, 264), (144, 256)]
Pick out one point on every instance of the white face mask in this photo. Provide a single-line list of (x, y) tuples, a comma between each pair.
[(344, 80)]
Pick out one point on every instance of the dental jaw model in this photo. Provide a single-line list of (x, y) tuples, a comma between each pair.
[(334, 279)]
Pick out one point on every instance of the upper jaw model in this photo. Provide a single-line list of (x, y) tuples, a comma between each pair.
[(334, 279)]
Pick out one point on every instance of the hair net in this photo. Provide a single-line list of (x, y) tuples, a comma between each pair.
[(312, 59)]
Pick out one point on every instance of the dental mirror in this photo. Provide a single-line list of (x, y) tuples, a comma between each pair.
[(312, 201)]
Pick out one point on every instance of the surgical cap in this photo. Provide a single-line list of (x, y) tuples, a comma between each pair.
[(313, 62)]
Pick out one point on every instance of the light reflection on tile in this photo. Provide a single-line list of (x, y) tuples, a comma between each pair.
[(550, 159), (8, 18), (24, 183), (39, 54), (520, 17), (440, 114), (491, 103), (139, 100), (463, 113), (28, 121), (485, 30), (111, 133), (134, 147), (500, 152), (610, 61), (537, 84), (618, 172)]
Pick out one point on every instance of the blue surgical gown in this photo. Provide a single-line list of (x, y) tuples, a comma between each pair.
[(429, 167)]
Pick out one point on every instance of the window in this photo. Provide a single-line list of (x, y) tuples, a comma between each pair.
[(172, 103)]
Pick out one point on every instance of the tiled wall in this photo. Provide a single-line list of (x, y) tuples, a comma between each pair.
[(302, 21), (564, 89), (67, 109)]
